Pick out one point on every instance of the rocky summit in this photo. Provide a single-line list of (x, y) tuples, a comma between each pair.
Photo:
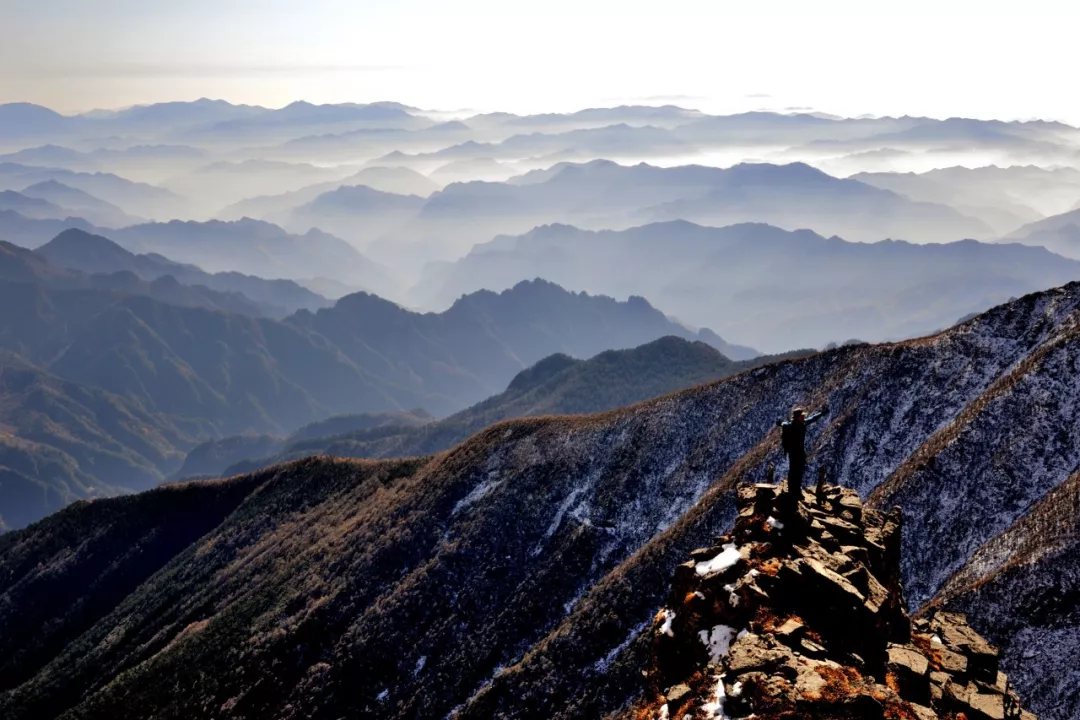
[(799, 612)]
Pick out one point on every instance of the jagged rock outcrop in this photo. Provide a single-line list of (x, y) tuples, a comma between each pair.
[(799, 613)]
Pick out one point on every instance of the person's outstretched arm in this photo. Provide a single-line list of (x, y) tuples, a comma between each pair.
[(814, 417)]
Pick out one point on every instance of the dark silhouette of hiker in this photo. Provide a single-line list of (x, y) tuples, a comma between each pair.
[(793, 439)]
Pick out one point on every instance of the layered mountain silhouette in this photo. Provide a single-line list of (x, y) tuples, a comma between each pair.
[(605, 195), (254, 247), (88, 253), (279, 208), (357, 213), (150, 163), (251, 247), (207, 364), (140, 199), (224, 182), (31, 207), (80, 204), (34, 232), (1003, 197), (556, 385), (1059, 234), (33, 269), (518, 575), (773, 288)]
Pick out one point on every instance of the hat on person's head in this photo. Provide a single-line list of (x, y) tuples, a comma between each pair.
[(797, 411)]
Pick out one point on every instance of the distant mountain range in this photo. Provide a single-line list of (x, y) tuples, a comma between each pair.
[(279, 209), (605, 195), (150, 163), (93, 254), (253, 247), (357, 213), (137, 198), (77, 203), (521, 574), (556, 385), (203, 119), (772, 288), (202, 364), (119, 279), (1003, 197), (215, 185), (1059, 234), (31, 207), (257, 248)]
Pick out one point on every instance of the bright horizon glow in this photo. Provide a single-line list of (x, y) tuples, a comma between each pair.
[(938, 59)]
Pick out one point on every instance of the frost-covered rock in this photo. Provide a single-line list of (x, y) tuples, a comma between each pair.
[(826, 633)]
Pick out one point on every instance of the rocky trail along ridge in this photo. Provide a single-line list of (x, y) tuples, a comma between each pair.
[(799, 613)]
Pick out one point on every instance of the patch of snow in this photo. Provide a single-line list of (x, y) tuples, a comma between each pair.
[(664, 713), (420, 665), (936, 639), (477, 493), (774, 523), (736, 690), (742, 634), (754, 572), (699, 595), (381, 697), (733, 599), (715, 707), (718, 641), (669, 617), (604, 663), (721, 562), (561, 512)]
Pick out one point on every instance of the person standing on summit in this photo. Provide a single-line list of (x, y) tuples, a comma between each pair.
[(793, 440)]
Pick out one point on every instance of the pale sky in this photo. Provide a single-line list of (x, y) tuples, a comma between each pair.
[(939, 58)]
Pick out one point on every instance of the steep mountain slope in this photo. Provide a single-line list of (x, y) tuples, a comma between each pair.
[(514, 575), (223, 374), (557, 384), (1024, 588), (63, 442), (89, 253), (770, 288)]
